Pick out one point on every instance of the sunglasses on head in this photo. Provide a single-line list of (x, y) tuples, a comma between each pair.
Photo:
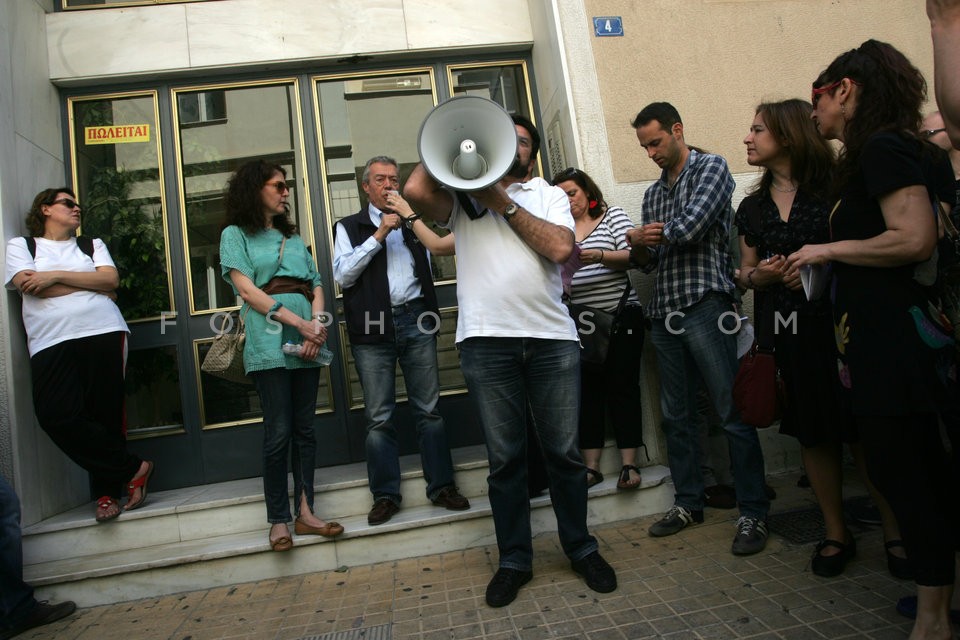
[(566, 174), (70, 204), (816, 92), (280, 185)]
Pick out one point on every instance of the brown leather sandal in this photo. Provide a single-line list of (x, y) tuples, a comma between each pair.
[(625, 482)]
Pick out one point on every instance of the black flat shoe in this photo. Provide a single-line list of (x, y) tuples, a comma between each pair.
[(832, 566), (897, 566)]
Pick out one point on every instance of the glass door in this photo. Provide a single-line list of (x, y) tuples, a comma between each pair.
[(160, 210)]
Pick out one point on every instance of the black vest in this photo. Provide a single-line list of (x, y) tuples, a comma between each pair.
[(370, 294)]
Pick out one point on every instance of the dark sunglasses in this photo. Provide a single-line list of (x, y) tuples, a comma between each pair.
[(819, 91), (280, 185), (70, 204), (566, 174), (929, 133)]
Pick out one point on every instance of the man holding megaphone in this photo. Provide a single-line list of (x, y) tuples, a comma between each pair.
[(518, 345)]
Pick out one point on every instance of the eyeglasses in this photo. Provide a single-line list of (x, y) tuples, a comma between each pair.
[(67, 202), (280, 185), (819, 91), (929, 133)]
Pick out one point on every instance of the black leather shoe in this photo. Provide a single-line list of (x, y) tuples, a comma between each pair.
[(383, 510), (43, 613), (830, 566), (450, 498), (504, 586), (597, 573)]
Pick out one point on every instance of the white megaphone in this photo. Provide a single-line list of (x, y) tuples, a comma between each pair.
[(467, 143)]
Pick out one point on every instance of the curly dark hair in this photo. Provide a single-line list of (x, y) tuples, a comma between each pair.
[(35, 219), (811, 157), (891, 93), (243, 201), (589, 187)]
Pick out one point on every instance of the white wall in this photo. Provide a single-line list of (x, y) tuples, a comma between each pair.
[(31, 158)]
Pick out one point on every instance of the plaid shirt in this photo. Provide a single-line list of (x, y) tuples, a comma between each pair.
[(696, 213)]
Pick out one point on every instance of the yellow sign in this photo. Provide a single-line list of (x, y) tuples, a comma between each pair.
[(117, 134)]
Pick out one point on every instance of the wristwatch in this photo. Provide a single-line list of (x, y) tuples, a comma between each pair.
[(408, 222), (510, 211)]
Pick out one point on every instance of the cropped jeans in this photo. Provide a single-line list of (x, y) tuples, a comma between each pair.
[(416, 351), (695, 344), (505, 377), (289, 401)]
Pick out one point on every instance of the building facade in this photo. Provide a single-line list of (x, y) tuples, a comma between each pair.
[(145, 108)]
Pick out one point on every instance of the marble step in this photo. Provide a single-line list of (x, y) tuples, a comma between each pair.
[(170, 566)]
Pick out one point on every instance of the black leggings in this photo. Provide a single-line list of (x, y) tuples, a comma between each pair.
[(79, 400), (909, 465)]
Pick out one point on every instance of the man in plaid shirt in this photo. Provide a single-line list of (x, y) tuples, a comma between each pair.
[(687, 217)]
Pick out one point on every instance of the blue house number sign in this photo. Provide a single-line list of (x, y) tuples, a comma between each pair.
[(608, 26)]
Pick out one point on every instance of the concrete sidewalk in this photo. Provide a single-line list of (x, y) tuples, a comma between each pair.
[(686, 586)]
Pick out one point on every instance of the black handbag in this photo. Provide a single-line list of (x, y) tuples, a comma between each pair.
[(594, 327)]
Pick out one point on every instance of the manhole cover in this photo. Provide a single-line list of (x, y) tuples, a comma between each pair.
[(379, 632), (803, 526)]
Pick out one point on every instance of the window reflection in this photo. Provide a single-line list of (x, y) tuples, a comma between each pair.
[(239, 124), (117, 169), (152, 386)]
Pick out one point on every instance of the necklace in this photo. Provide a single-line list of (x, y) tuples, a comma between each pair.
[(781, 189)]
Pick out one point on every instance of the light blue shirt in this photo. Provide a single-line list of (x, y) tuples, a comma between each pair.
[(350, 261)]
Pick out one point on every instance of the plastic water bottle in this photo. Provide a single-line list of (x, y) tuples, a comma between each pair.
[(324, 357)]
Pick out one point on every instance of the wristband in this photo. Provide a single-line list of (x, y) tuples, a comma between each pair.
[(276, 307), (601, 257), (750, 282)]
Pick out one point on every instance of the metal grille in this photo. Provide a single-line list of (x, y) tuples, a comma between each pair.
[(379, 632)]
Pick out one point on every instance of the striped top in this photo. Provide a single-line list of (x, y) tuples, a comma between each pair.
[(596, 285)]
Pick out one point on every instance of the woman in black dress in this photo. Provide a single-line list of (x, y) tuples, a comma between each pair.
[(883, 232), (787, 209)]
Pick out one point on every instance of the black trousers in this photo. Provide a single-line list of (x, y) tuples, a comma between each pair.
[(909, 465), (613, 389), (78, 397)]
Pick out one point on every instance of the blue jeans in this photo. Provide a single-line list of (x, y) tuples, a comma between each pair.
[(505, 376), (416, 352), (693, 347), (289, 401), (16, 596)]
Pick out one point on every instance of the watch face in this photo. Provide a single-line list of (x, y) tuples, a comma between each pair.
[(511, 210)]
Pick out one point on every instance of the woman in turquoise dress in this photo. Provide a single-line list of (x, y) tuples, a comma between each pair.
[(269, 266)]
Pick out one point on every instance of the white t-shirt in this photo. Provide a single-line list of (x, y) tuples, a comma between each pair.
[(50, 321), (505, 289)]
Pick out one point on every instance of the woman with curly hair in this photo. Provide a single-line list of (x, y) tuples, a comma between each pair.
[(269, 266), (884, 231)]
